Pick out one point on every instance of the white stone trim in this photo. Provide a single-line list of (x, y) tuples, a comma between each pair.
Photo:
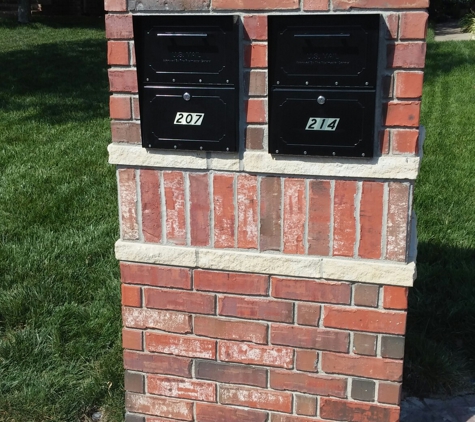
[(386, 167), (364, 271)]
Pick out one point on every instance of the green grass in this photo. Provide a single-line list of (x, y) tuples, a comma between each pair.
[(60, 353), (440, 344)]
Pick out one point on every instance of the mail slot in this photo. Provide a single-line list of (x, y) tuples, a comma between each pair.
[(323, 77), (188, 75)]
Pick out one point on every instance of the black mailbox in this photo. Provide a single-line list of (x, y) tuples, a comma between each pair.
[(188, 75), (322, 76)]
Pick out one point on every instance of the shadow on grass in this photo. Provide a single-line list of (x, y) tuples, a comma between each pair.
[(441, 60), (58, 22), (441, 319)]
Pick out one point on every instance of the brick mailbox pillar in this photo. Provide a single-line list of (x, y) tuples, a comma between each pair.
[(258, 287)]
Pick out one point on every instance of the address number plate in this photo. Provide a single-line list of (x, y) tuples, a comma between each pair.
[(321, 123), (193, 119)]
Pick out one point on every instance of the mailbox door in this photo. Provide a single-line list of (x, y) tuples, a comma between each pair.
[(191, 118), (322, 122)]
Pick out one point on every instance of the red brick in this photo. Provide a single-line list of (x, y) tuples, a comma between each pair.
[(413, 25), (319, 215), (256, 110), (255, 56), (276, 417), (370, 320), (153, 363), (223, 197), (151, 206), (344, 231), (255, 355), (252, 5), (389, 393), (311, 290), (136, 108), (310, 338), (173, 182), (256, 398), (118, 53), (371, 220), (123, 80), (133, 60), (256, 83), (132, 339), (128, 204), (131, 295), (379, 4), (357, 411), (230, 329), (270, 214), (250, 308), (305, 383), (254, 138), (409, 84), (220, 413), (247, 211), (405, 141), (159, 406), (406, 55), (193, 302), (295, 215), (199, 209), (181, 388), (180, 345), (306, 360), (174, 322), (397, 225), (119, 26), (392, 22), (231, 374), (115, 5), (395, 297), (310, 5), (237, 283), (308, 314), (155, 275), (126, 132), (305, 405), (362, 366), (384, 141), (402, 113), (120, 107), (255, 27)]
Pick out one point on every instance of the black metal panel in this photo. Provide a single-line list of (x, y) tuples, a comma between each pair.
[(324, 50), (191, 118), (342, 126)]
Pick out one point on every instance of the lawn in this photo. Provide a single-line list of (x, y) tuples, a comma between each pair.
[(60, 352)]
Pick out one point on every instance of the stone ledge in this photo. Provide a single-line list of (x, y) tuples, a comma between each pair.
[(364, 271)]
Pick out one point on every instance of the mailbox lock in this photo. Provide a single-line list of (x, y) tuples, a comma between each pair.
[(321, 99), (187, 96)]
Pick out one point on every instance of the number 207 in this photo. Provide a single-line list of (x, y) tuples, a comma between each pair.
[(321, 123), (193, 119)]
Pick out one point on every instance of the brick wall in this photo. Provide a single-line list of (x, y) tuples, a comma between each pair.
[(257, 289)]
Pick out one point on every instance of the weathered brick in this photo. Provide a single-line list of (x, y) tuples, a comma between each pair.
[(392, 24), (308, 314), (223, 198), (125, 132), (294, 216), (388, 86), (305, 383), (309, 5), (362, 366), (220, 413), (405, 141), (279, 417), (256, 398), (256, 110), (413, 25), (392, 347), (379, 4), (174, 322), (309, 338), (174, 186), (132, 339), (366, 295), (118, 53), (397, 224), (154, 363), (133, 417), (123, 80), (180, 345), (305, 405), (247, 211), (406, 55), (155, 275), (371, 220), (270, 214), (344, 231), (384, 141), (252, 5), (136, 107), (389, 393), (199, 209), (181, 388), (363, 390), (358, 319), (119, 26), (193, 302), (255, 27), (311, 290), (409, 84), (402, 113), (134, 381), (256, 83), (250, 308), (255, 355), (343, 410), (166, 5), (230, 329), (158, 406), (395, 297), (364, 344), (319, 216), (254, 138), (231, 374), (237, 283), (131, 295), (151, 206), (115, 5), (128, 204), (306, 360)]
